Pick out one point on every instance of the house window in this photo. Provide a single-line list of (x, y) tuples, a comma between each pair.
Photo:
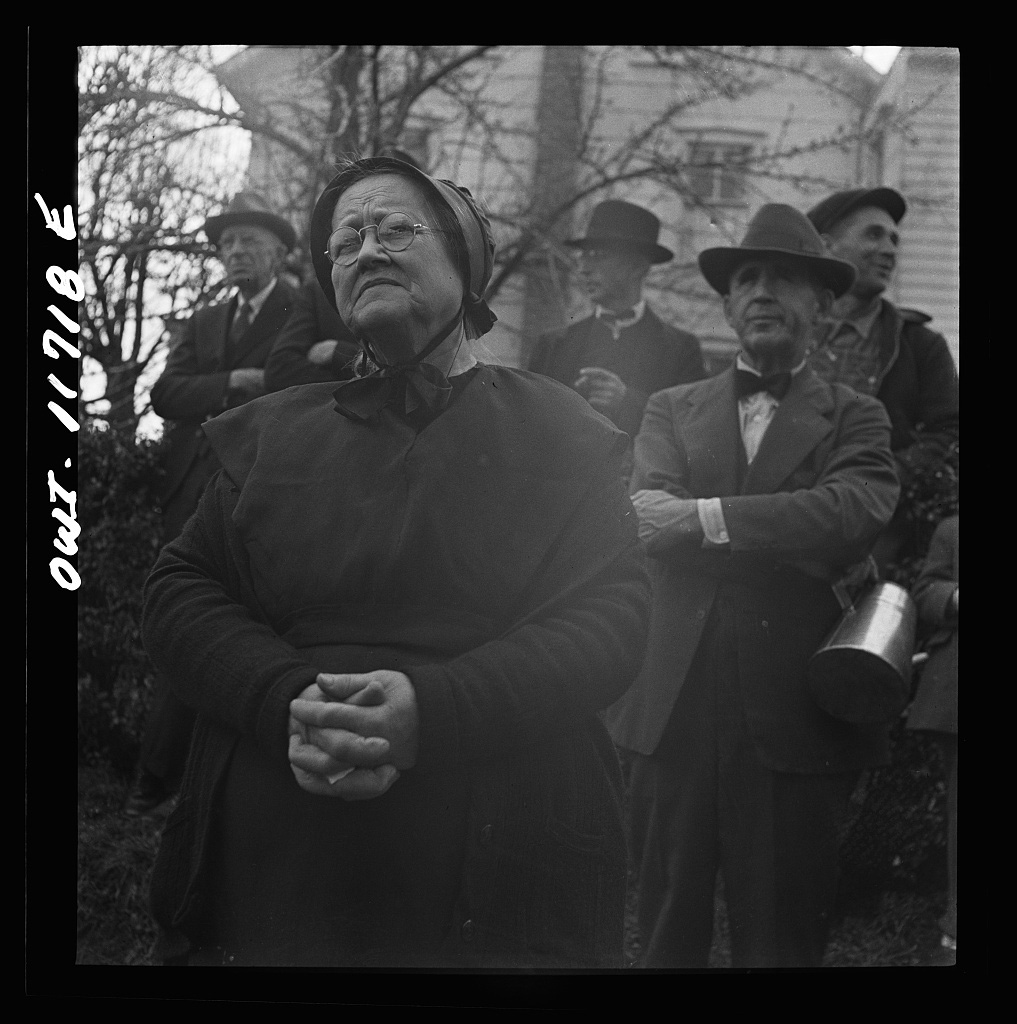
[(716, 172)]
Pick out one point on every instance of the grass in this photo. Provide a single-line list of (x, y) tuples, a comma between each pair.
[(115, 857)]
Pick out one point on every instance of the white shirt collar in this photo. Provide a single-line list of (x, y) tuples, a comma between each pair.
[(741, 364), (637, 313), (257, 300)]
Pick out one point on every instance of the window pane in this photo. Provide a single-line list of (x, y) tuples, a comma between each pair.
[(700, 178), (724, 182)]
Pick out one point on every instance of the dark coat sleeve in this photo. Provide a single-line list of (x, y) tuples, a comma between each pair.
[(186, 390), (922, 396), (311, 321), (203, 628), (837, 517), (195, 382), (829, 507)]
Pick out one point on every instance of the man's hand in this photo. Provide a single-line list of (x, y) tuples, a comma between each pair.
[(321, 352), (665, 520), (604, 390), (249, 380)]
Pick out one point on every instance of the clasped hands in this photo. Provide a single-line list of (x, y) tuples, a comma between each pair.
[(351, 735)]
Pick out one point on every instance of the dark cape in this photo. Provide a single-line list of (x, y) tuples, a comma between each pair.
[(493, 558)]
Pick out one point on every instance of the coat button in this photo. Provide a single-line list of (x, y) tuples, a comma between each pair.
[(485, 834), (466, 930)]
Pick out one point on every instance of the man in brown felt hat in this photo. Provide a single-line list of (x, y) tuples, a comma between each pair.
[(217, 364), (757, 490), (880, 349), (618, 356)]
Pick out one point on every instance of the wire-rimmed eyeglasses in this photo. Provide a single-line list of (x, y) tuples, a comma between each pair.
[(394, 232)]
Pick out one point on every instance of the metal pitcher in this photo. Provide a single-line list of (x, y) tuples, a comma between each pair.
[(862, 672)]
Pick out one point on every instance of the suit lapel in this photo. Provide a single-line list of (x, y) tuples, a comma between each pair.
[(799, 424), (711, 435), (266, 324), (261, 325)]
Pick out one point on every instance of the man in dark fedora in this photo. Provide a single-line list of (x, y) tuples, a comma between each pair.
[(757, 490), (618, 356), (217, 364), (880, 349)]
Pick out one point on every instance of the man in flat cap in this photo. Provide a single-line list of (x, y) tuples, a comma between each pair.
[(879, 349), (757, 490), (618, 356), (217, 364)]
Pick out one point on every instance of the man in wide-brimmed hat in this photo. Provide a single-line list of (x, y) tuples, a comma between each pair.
[(757, 490), (884, 350), (618, 356), (217, 364)]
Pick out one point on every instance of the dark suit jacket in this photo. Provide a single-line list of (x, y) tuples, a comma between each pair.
[(819, 490), (649, 356), (195, 386), (935, 704), (312, 320)]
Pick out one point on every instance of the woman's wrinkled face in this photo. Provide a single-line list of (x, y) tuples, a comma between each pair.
[(398, 300)]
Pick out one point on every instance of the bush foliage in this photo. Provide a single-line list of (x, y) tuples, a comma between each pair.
[(897, 838), (121, 528)]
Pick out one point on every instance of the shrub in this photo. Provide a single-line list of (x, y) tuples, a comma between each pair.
[(121, 528), (930, 491), (898, 836)]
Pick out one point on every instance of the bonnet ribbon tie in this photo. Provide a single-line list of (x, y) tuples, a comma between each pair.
[(404, 386)]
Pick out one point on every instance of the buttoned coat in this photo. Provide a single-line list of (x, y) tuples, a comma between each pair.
[(820, 488), (195, 386), (649, 356)]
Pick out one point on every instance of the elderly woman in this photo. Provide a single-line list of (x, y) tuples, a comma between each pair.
[(397, 611)]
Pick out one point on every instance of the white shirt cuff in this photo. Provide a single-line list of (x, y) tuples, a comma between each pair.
[(711, 518)]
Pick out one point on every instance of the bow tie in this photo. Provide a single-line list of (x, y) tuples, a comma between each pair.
[(750, 383), (406, 388)]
